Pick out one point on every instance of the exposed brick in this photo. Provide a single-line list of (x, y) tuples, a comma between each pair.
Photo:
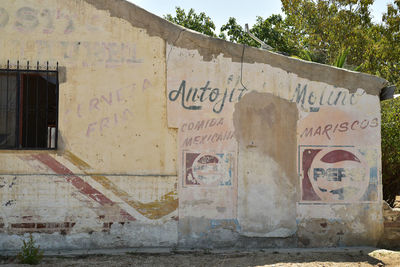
[(40, 225), (23, 225)]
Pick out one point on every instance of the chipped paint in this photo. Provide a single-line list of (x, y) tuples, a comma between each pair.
[(170, 138), (83, 187), (152, 210)]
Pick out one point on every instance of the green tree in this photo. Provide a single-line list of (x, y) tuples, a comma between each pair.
[(391, 149), (326, 28), (270, 30), (273, 31), (383, 57), (235, 33), (197, 22)]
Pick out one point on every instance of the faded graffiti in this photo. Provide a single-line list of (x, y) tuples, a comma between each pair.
[(208, 169), (80, 53), (108, 122), (112, 97), (336, 174), (111, 100), (3, 17), (112, 54), (205, 138), (193, 98), (27, 19), (307, 97), (330, 129)]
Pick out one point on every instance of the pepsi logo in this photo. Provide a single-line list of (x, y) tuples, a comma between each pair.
[(338, 174)]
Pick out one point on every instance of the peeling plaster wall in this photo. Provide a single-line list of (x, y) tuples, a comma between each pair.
[(113, 180), (171, 138), (268, 184)]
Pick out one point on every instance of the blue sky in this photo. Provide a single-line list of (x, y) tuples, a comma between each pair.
[(244, 11)]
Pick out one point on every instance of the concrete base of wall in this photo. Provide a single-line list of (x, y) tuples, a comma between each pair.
[(171, 236), (163, 251), (119, 236)]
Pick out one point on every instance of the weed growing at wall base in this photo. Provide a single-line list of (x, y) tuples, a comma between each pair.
[(30, 254)]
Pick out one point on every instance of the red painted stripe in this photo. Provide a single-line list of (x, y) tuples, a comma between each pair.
[(339, 155), (79, 183)]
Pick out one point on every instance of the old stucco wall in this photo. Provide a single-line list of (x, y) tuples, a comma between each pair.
[(112, 182), (171, 138)]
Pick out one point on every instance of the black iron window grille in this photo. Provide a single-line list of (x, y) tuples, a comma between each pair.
[(28, 107)]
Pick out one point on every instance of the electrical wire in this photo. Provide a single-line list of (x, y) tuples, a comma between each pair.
[(241, 67)]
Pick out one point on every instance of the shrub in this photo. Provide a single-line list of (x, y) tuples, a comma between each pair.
[(391, 149), (30, 254)]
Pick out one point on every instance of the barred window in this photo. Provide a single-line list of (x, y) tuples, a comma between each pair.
[(28, 108)]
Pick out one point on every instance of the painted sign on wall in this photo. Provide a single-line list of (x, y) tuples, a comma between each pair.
[(197, 88), (338, 174), (207, 169), (337, 148)]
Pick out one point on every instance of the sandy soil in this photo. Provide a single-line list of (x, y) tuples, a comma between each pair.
[(271, 258)]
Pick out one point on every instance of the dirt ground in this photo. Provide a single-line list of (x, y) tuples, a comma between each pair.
[(345, 257)]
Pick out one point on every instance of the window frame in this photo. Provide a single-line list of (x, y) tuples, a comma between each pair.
[(19, 73)]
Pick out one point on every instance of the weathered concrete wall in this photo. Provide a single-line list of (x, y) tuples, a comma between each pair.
[(171, 138), (112, 182)]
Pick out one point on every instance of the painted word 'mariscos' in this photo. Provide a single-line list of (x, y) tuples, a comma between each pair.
[(193, 98), (330, 129)]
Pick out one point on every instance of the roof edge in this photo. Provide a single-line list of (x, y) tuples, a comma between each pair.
[(210, 47)]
